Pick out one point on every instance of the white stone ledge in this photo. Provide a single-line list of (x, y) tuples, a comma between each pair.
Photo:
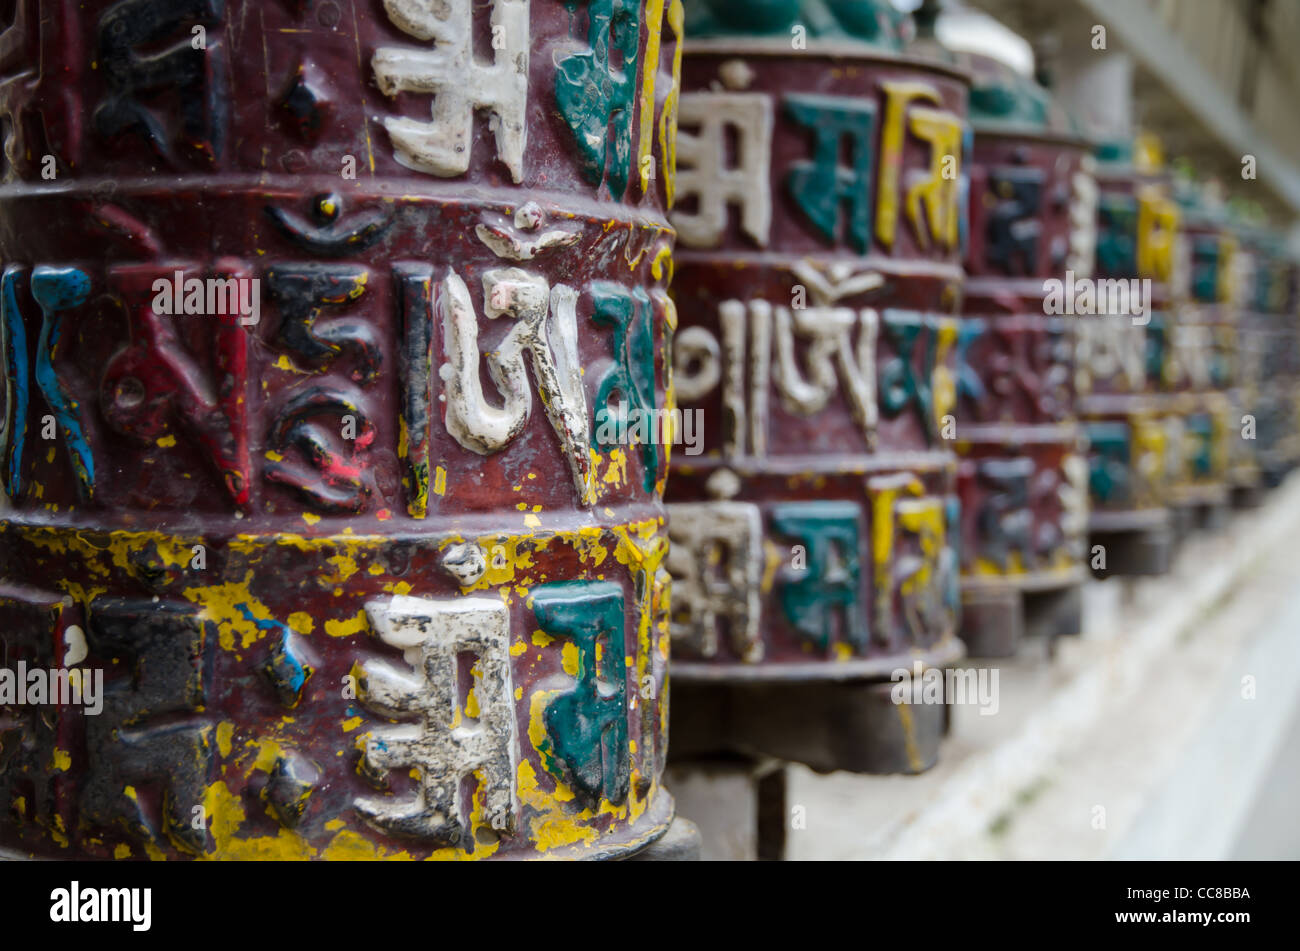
[(1143, 716)]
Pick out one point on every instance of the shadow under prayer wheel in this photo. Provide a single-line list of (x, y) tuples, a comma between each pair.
[(324, 326), (820, 217), (1123, 356), (1022, 477)]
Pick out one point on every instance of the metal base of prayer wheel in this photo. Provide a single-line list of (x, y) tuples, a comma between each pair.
[(851, 725), (1139, 552)]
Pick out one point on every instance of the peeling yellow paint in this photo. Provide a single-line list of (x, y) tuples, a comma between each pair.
[(569, 658), (353, 625), (225, 733)]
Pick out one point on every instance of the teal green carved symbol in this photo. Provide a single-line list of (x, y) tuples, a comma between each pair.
[(901, 384), (1157, 348), (1117, 152), (970, 388), (586, 728), (631, 377), (57, 289), (822, 186), (1220, 366), (1205, 268), (950, 560), (1108, 475), (1201, 428), (595, 97), (1117, 235), (812, 595)]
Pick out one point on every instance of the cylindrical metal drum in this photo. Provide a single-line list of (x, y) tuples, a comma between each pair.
[(1203, 361), (1250, 275), (1270, 326), (821, 223), (1285, 300), (1123, 349), (1022, 478), (334, 335)]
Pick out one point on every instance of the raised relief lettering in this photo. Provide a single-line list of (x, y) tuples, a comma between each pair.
[(446, 743), (459, 83), (702, 172)]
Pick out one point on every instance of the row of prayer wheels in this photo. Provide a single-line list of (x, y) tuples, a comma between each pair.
[(361, 472)]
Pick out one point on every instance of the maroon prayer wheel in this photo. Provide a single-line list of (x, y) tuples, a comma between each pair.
[(814, 534), (332, 336), (1203, 361), (1125, 367), (1022, 477), (1250, 278), (1271, 333)]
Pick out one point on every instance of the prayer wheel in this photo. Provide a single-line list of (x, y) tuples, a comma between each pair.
[(1203, 360), (1022, 477), (1123, 367), (337, 360), (1269, 338), (821, 222)]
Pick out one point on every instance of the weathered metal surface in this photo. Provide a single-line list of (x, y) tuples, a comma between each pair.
[(352, 597), (1249, 267), (1124, 368), (821, 226), (1022, 477), (1270, 358), (1204, 364)]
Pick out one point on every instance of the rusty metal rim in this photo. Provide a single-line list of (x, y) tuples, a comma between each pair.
[(1190, 495), (400, 529), (786, 466), (1022, 133), (660, 816), (947, 652), (1127, 173), (663, 802), (1130, 520), (685, 257), (1127, 404), (833, 49), (995, 434), (1029, 581), (273, 187), (1032, 287)]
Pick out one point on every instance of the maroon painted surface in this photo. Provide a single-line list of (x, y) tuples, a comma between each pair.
[(206, 432), (903, 608), (1020, 484)]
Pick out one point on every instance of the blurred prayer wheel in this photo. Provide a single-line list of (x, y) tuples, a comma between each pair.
[(1022, 478), (328, 328), (1269, 344), (1250, 273), (1124, 360), (821, 222), (1203, 357)]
